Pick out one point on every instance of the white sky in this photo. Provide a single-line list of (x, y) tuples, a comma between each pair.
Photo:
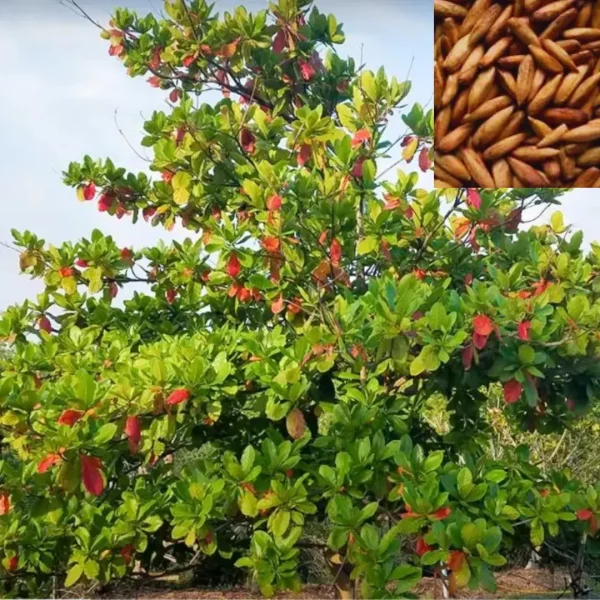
[(60, 91)]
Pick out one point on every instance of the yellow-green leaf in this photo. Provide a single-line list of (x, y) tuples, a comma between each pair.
[(181, 187)]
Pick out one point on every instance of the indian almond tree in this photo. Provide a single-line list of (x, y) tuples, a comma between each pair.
[(292, 340)]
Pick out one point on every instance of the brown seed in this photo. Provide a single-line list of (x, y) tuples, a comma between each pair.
[(501, 174), (583, 34), (510, 62), (524, 79), (450, 89), (469, 69), (533, 154), (440, 184), (455, 138), (589, 158), (438, 84), (553, 137), (569, 84), (545, 61), (526, 173), (575, 149), (595, 22), (443, 8), (582, 92), (460, 108), (521, 29), (544, 96), (552, 169), (541, 128), (592, 46), (580, 58), (567, 166), (484, 23), (487, 109), (503, 147), (480, 87), (539, 78), (491, 128), (587, 178), (584, 16), (477, 168), (584, 133), (442, 122), (552, 10), (570, 116), (473, 15), (561, 55), (513, 125), (569, 46), (559, 24), (450, 29), (441, 173), (495, 52), (499, 25), (458, 54), (453, 165), (508, 82)]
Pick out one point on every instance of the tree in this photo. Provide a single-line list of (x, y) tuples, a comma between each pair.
[(294, 338)]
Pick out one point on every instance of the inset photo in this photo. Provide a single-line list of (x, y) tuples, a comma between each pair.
[(516, 93)]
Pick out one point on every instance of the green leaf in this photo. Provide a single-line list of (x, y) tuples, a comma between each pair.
[(366, 245), (105, 433), (526, 354), (368, 84), (73, 575), (181, 187), (248, 504), (557, 222), (464, 482), (497, 475), (433, 461), (279, 522)]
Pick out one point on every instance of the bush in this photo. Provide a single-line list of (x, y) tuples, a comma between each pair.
[(281, 371)]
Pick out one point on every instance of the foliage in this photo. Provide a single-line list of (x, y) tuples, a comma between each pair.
[(297, 337)]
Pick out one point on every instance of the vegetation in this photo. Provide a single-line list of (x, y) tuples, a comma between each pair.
[(296, 342)]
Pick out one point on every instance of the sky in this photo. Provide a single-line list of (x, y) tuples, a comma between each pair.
[(62, 97)]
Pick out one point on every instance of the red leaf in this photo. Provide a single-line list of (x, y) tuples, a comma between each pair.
[(358, 168), (512, 391), (66, 272), (480, 341), (467, 357), (154, 81), (424, 160), (170, 296), (306, 70), (174, 95), (422, 547), (89, 191), (303, 155), (483, 325), (406, 141), (468, 279), (279, 42), (233, 266), (81, 263), (13, 563), (105, 202), (113, 289), (295, 306), (362, 135), (270, 243), (335, 251), (47, 462), (540, 287), (91, 474), (126, 254), (247, 140), (45, 325), (127, 552), (70, 416), (134, 432), (456, 560), (274, 202), (523, 330), (295, 423), (473, 198), (178, 396), (585, 514), (4, 503), (441, 513), (277, 305)]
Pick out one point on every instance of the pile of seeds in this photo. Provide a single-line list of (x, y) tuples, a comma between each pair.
[(517, 99)]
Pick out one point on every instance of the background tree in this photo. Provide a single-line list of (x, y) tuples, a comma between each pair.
[(296, 338)]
